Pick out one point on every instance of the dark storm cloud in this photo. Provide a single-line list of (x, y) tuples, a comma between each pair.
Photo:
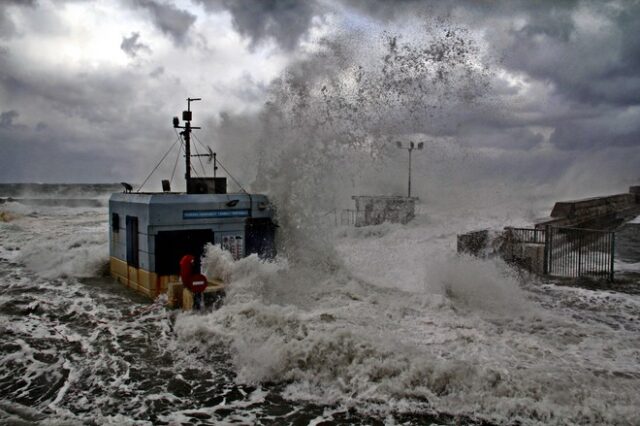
[(599, 66), (168, 18), (7, 26), (584, 66), (79, 126), (608, 131), (577, 63), (286, 21), (7, 117), (90, 96), (514, 138), (131, 46), (592, 66)]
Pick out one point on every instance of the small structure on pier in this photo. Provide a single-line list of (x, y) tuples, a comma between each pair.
[(376, 209)]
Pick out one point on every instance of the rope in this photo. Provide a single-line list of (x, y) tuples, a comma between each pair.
[(204, 171), (232, 178), (223, 168), (175, 165), (157, 165), (193, 169)]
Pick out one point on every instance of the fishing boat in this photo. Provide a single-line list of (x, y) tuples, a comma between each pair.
[(150, 232)]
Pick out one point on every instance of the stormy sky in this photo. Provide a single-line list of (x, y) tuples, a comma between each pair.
[(514, 91)]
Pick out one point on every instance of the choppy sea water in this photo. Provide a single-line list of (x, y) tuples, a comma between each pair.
[(393, 328)]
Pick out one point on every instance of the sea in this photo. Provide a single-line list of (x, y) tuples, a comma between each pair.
[(384, 325)]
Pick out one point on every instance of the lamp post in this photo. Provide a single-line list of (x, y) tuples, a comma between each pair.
[(410, 147)]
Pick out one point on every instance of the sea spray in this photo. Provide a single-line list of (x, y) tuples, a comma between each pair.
[(490, 350), (379, 335), (333, 117), (475, 284)]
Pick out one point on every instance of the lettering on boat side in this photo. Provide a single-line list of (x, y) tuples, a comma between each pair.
[(207, 214)]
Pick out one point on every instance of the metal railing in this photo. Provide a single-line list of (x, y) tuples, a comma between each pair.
[(568, 252), (575, 252), (347, 218), (526, 235)]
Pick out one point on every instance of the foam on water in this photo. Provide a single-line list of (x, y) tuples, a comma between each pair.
[(470, 341), (389, 322), (382, 321)]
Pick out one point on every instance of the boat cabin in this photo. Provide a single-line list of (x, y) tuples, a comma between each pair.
[(150, 232)]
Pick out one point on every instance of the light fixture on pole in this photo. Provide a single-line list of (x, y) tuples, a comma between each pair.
[(410, 147)]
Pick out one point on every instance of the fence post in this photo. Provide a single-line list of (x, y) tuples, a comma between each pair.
[(547, 241), (579, 254), (613, 249)]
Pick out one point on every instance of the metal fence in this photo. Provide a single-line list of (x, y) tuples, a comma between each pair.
[(568, 252), (526, 235), (347, 218), (573, 252)]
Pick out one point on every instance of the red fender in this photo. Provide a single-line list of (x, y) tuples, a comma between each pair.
[(186, 270), (196, 283)]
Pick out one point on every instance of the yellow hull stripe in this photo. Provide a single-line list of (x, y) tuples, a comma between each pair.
[(143, 281)]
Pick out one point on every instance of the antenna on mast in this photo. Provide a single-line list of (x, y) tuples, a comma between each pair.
[(186, 117)]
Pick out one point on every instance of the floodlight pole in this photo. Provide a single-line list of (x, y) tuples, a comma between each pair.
[(409, 190), (410, 147)]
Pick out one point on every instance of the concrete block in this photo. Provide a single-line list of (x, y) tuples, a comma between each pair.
[(473, 243), (533, 256)]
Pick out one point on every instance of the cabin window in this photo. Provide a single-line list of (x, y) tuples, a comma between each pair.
[(260, 237), (132, 241), (115, 222)]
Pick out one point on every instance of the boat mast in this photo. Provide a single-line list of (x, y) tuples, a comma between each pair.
[(186, 117)]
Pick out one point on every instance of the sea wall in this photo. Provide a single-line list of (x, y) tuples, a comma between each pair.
[(605, 212)]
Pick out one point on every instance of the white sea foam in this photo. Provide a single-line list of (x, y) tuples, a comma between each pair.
[(385, 319), (77, 255), (463, 336)]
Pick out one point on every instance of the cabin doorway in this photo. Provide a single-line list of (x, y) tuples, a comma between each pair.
[(172, 245)]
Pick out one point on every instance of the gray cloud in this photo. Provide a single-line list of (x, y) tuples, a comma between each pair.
[(588, 65), (132, 47), (611, 129), (581, 83), (7, 26), (82, 126), (157, 72), (576, 99), (7, 117), (169, 19), (285, 21)]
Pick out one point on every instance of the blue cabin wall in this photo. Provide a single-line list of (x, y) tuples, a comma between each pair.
[(175, 212)]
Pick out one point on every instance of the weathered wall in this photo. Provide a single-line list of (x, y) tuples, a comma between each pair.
[(374, 210)]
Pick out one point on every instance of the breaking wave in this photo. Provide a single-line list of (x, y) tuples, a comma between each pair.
[(472, 342)]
